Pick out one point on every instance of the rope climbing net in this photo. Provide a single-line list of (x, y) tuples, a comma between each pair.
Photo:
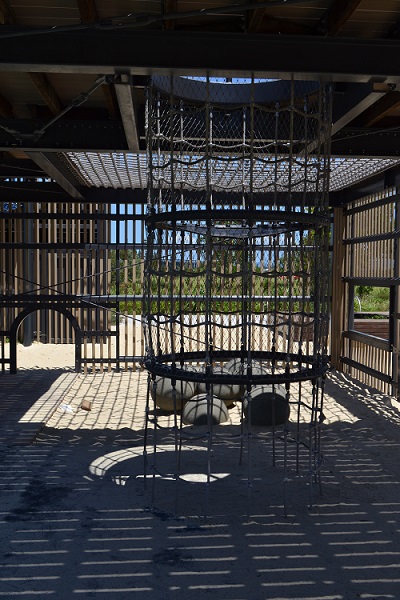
[(237, 264)]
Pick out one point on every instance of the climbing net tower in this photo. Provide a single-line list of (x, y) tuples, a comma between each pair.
[(236, 300)]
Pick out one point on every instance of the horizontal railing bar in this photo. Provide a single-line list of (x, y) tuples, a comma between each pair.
[(377, 203), (128, 297), (62, 298), (373, 281), (123, 359), (67, 246), (366, 338), (123, 246), (391, 235), (73, 216), (99, 333), (372, 372)]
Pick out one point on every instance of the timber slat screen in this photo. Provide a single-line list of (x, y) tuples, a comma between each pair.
[(73, 272), (372, 261), (61, 261)]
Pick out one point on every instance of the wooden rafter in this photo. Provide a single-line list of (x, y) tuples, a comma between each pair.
[(126, 101), (6, 110), (283, 26), (87, 11), (169, 6), (47, 92), (7, 15), (379, 110), (88, 14), (393, 32), (110, 99), (254, 18), (338, 13), (49, 164), (39, 80), (259, 20)]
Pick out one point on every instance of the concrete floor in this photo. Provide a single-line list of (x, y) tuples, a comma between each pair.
[(76, 521)]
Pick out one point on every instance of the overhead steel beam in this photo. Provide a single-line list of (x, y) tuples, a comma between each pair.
[(364, 142), (124, 91), (19, 167), (39, 80), (44, 188), (46, 192), (350, 101), (233, 54), (49, 192), (108, 136), (272, 25), (384, 107), (63, 136), (88, 14), (50, 166)]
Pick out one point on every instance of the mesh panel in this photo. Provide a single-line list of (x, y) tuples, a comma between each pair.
[(238, 227), (127, 170), (236, 294)]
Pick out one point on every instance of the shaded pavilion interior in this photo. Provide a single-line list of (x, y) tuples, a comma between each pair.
[(76, 519), (73, 143)]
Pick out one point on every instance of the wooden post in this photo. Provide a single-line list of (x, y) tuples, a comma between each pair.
[(338, 287), (394, 336)]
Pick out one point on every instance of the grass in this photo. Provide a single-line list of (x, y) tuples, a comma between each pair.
[(373, 299)]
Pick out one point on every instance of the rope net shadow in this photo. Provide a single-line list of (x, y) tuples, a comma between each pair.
[(236, 294)]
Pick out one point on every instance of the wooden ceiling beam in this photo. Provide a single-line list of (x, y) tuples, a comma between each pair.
[(126, 101), (110, 98), (49, 164), (146, 52), (393, 33), (68, 136), (169, 6), (283, 26), (7, 15), (88, 14), (88, 11), (336, 16), (5, 108), (47, 92), (259, 20), (379, 110), (255, 18), (39, 80)]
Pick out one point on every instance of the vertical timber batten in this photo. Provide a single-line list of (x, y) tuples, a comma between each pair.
[(370, 349), (338, 287)]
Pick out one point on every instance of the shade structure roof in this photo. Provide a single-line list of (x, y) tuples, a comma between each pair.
[(73, 77), (127, 170)]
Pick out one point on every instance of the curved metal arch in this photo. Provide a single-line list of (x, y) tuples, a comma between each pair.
[(200, 90), (31, 309)]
